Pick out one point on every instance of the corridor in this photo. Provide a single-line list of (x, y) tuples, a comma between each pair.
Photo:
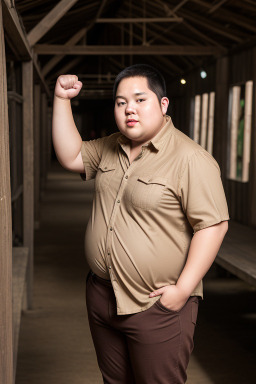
[(55, 345)]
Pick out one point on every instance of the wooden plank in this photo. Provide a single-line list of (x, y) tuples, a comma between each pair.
[(74, 40), (19, 267), (18, 40), (15, 33), (49, 20), (56, 59), (237, 253), (252, 175), (6, 352), (37, 127), (46, 49), (43, 139), (28, 173), (140, 20)]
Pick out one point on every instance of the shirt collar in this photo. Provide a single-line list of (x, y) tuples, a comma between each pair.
[(157, 140)]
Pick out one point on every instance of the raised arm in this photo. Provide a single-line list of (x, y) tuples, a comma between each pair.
[(66, 139)]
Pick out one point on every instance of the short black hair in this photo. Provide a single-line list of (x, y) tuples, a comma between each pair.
[(155, 79)]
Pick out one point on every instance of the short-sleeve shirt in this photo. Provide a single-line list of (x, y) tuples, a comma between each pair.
[(145, 213)]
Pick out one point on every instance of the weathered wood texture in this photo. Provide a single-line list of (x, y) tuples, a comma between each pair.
[(6, 353), (252, 174), (19, 268), (49, 20), (56, 49), (241, 195), (43, 149), (28, 172), (238, 252), (37, 127)]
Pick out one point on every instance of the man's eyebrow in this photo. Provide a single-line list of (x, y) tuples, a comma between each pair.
[(136, 94)]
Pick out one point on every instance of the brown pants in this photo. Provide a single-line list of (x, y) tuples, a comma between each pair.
[(149, 347)]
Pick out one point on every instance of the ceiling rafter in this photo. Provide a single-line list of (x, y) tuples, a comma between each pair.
[(46, 49), (210, 25), (57, 58), (217, 6), (49, 20), (74, 40), (230, 16)]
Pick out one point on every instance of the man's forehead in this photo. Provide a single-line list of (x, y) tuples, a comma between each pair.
[(133, 85)]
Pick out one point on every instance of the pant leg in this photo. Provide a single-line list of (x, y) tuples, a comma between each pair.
[(160, 342), (110, 344)]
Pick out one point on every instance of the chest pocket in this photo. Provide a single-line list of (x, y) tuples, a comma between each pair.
[(103, 177), (148, 192)]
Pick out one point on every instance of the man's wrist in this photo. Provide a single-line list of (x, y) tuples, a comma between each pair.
[(61, 98)]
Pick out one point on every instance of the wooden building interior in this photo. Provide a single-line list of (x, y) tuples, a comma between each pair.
[(206, 51)]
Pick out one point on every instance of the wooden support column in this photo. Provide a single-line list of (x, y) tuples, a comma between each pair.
[(49, 137), (37, 129), (43, 149), (252, 175), (6, 349), (28, 173), (221, 115)]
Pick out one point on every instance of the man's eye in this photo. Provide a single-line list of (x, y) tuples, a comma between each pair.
[(140, 100), (120, 103)]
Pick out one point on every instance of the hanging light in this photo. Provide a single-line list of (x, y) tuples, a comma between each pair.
[(183, 81), (203, 74)]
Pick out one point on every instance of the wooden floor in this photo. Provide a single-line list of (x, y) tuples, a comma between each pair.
[(55, 345)]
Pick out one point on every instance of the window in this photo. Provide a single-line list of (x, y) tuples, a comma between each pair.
[(239, 131), (202, 124)]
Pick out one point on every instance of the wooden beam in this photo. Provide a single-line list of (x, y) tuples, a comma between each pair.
[(6, 341), (28, 173), (46, 49), (210, 25), (228, 16), (56, 59), (141, 20), (18, 40), (49, 20), (73, 41), (217, 6), (37, 127), (15, 33), (66, 68)]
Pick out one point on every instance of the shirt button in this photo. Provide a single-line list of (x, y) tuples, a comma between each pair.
[(108, 253), (118, 201), (126, 177), (109, 267), (105, 167), (111, 229)]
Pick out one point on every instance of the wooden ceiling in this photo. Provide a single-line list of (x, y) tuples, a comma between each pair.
[(97, 38)]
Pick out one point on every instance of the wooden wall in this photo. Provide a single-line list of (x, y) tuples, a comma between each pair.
[(224, 73)]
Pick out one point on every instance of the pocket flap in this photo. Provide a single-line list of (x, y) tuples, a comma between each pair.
[(107, 167), (153, 180)]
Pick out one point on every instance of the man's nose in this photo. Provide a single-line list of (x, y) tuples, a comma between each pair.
[(130, 108)]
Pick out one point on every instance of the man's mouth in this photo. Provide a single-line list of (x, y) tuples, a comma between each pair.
[(131, 122)]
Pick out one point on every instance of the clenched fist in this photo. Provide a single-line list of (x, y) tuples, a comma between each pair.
[(67, 86)]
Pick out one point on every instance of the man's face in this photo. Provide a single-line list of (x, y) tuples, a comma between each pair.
[(138, 114)]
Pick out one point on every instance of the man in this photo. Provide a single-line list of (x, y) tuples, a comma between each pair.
[(158, 219)]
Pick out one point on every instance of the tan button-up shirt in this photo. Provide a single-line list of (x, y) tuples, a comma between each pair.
[(144, 213)]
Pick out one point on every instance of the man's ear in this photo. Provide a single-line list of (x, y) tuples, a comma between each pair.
[(164, 105)]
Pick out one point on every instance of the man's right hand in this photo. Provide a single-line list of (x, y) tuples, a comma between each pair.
[(67, 86)]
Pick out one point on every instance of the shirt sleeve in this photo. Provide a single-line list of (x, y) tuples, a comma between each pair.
[(201, 191), (91, 152)]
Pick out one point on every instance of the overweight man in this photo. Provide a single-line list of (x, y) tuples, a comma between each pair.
[(159, 216)]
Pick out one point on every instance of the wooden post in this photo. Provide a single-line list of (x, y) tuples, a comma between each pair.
[(44, 119), (221, 115), (6, 346), (37, 125), (252, 175), (49, 137), (28, 173)]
